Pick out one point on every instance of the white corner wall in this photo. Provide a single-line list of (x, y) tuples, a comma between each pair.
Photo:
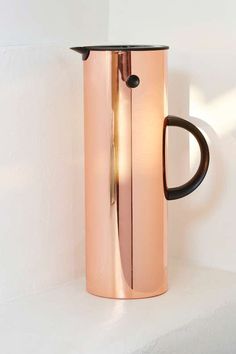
[(202, 79)]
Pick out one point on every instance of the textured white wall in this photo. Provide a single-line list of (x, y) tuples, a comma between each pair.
[(202, 81), (41, 140)]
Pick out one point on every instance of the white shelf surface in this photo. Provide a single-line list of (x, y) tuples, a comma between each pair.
[(197, 315)]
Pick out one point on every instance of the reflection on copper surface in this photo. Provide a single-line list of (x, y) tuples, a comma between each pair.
[(123, 116), (125, 204)]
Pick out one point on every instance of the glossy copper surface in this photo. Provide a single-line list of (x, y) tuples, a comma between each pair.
[(124, 195)]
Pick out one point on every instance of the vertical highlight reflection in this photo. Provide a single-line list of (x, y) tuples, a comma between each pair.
[(121, 161)]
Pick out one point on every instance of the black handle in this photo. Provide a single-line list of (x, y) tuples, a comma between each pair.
[(196, 180)]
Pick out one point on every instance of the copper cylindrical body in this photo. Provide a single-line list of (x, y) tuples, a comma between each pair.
[(124, 193)]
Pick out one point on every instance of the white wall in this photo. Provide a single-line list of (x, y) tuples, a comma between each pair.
[(41, 140), (68, 22), (202, 79), (40, 164)]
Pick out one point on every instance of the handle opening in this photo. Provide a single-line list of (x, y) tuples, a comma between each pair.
[(196, 180)]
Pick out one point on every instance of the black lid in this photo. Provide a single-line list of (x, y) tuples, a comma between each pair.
[(123, 47), (85, 50)]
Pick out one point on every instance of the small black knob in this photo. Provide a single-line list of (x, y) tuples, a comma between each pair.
[(132, 81)]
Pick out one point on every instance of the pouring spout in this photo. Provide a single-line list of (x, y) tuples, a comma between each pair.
[(82, 50)]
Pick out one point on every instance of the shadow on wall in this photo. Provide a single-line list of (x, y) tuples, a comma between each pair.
[(185, 213)]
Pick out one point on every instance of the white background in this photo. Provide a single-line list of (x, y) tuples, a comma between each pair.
[(41, 135)]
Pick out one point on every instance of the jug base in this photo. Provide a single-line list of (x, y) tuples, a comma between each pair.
[(132, 296)]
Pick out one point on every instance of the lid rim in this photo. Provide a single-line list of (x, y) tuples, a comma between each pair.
[(121, 48)]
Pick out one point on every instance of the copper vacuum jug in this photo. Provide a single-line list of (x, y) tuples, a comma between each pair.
[(125, 111)]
